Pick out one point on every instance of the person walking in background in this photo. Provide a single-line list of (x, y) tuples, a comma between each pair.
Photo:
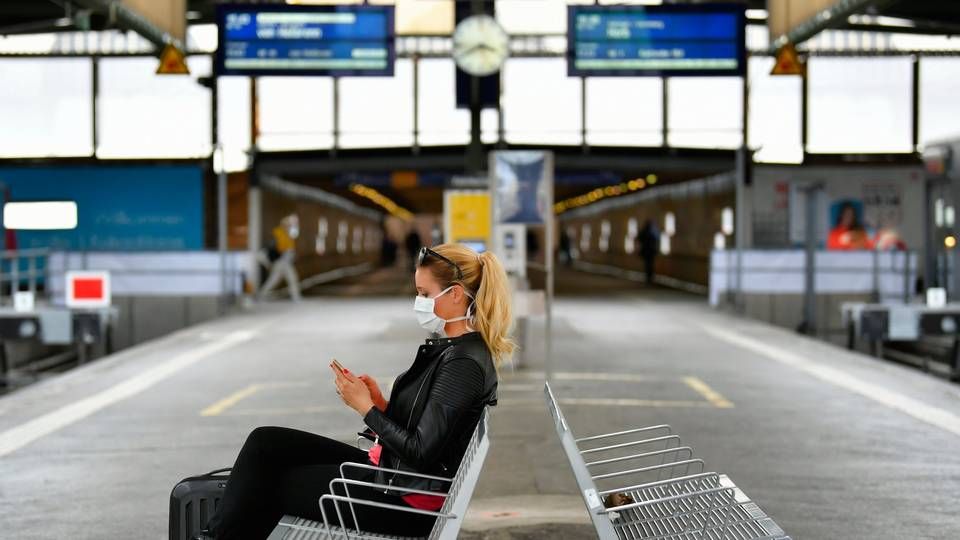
[(413, 244), (649, 239), (281, 254)]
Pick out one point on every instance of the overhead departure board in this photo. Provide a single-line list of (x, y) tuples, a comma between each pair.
[(279, 39), (663, 40)]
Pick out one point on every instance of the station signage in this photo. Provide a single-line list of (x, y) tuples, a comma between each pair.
[(88, 289), (280, 39), (660, 40)]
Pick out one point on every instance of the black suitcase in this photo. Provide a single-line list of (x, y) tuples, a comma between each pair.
[(192, 502)]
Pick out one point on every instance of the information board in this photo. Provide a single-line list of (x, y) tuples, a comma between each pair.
[(664, 40), (279, 39)]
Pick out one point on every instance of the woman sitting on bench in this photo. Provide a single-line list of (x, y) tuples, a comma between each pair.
[(434, 406)]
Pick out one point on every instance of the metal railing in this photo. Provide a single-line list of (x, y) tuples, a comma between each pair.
[(12, 274)]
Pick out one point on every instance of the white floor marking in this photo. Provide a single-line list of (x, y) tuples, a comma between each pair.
[(921, 411), (605, 402), (25, 433)]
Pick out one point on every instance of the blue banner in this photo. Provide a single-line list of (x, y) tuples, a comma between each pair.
[(119, 208)]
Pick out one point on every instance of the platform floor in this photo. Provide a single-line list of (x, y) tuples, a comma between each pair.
[(831, 444)]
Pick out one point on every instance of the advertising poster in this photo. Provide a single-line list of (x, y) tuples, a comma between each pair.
[(522, 184), (467, 217)]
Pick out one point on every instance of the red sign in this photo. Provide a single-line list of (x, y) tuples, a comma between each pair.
[(88, 289)]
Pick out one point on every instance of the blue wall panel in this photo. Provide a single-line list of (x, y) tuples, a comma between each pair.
[(120, 207)]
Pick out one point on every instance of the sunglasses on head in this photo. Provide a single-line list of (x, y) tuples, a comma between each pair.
[(427, 252)]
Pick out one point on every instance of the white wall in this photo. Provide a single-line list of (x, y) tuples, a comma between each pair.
[(777, 204)]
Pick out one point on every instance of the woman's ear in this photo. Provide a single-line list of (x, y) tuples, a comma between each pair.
[(458, 294)]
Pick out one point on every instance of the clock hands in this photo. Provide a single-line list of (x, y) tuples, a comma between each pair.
[(480, 46)]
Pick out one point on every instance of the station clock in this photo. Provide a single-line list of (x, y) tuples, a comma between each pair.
[(480, 45)]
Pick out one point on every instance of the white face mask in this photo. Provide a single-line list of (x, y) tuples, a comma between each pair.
[(423, 307)]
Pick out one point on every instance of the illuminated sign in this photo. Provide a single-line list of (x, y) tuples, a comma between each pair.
[(664, 40), (278, 39)]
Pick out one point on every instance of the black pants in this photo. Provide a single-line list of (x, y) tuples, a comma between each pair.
[(648, 268), (285, 471)]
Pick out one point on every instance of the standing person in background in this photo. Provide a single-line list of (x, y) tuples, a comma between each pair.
[(566, 256), (285, 254), (413, 244), (649, 239)]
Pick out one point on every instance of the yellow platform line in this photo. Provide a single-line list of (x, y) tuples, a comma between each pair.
[(217, 408), (288, 411), (708, 393)]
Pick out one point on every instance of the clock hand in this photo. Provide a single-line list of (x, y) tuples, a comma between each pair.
[(479, 47)]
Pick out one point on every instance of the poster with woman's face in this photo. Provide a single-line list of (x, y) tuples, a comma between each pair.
[(868, 223), (847, 231)]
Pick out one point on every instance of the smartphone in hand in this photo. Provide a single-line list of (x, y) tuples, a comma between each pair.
[(337, 366)]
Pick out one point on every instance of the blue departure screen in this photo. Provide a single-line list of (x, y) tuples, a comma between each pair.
[(701, 39), (277, 39)]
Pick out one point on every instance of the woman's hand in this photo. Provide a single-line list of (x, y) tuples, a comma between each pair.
[(375, 393), (354, 392)]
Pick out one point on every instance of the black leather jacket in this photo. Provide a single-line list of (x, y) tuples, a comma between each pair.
[(433, 409)]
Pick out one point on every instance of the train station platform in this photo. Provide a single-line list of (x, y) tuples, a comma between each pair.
[(830, 443)]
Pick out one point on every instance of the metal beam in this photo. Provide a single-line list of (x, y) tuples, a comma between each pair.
[(827, 18), (322, 163), (129, 19)]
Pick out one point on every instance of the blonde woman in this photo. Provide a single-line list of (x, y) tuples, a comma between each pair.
[(434, 406)]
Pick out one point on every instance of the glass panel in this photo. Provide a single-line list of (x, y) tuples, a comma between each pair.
[(859, 104), (440, 120), (705, 112), (541, 105), (378, 111), (202, 37), (46, 107), (441, 123), (296, 113), (532, 16), (625, 111), (776, 112), (422, 16), (489, 126), (939, 106), (758, 37), (233, 120), (144, 115)]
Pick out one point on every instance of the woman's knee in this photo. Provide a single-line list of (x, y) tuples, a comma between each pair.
[(263, 436)]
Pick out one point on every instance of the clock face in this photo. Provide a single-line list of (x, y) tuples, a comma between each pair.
[(480, 45)]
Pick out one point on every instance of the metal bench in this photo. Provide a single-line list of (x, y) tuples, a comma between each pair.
[(449, 517), (641, 483)]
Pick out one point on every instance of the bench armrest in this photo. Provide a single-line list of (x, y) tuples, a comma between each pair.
[(663, 427), (405, 473), (352, 500), (348, 482)]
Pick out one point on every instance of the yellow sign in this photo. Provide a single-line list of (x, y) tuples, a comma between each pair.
[(172, 62), (467, 216), (788, 62)]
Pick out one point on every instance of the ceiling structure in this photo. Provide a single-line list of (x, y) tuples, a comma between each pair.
[(934, 17)]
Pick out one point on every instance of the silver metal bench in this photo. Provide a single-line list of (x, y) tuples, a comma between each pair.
[(449, 517), (641, 483)]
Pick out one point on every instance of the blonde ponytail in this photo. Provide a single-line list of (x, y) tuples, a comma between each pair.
[(493, 317), (483, 276)]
